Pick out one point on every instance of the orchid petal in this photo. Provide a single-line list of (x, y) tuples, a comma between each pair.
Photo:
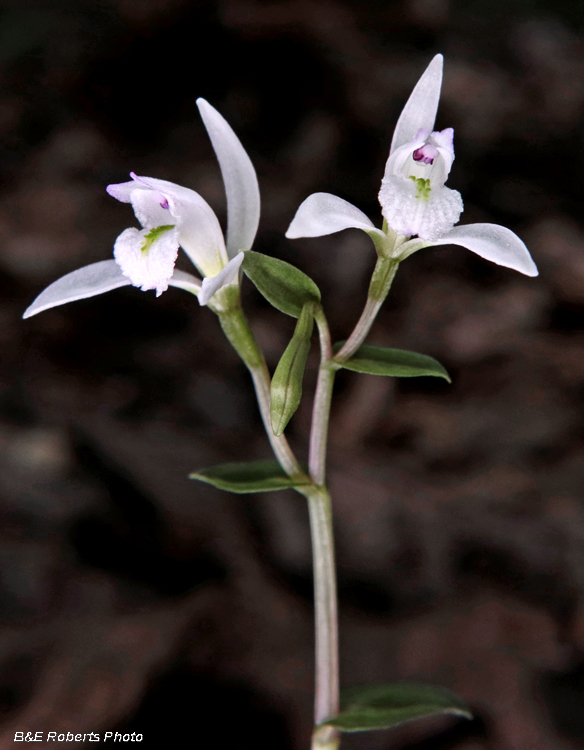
[(403, 162), (323, 213), (492, 242), (399, 158), (226, 276), (421, 107), (200, 234), (239, 178), (445, 139), (122, 191), (151, 208), (88, 281)]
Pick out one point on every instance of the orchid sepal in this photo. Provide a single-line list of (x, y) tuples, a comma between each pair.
[(213, 285), (94, 279), (494, 243), (324, 213), (421, 107), (239, 178)]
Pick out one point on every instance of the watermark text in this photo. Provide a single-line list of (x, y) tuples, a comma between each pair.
[(72, 737)]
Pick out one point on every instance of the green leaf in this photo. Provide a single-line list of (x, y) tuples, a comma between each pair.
[(247, 476), (384, 706), (398, 363), (283, 285), (286, 388)]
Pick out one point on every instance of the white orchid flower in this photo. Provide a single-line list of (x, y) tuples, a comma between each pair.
[(419, 210), (173, 216)]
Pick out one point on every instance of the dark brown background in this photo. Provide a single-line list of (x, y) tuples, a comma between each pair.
[(133, 599)]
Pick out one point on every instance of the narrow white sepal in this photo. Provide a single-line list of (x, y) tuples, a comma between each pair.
[(89, 281), (239, 178), (97, 278), (492, 242), (213, 283), (323, 213), (421, 107)]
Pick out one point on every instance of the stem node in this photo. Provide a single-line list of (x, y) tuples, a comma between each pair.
[(325, 738)]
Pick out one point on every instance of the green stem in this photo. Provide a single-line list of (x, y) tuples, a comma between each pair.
[(383, 275), (236, 328), (238, 332), (326, 703), (322, 404), (325, 588), (326, 700)]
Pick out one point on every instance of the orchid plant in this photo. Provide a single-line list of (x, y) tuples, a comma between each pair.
[(418, 211)]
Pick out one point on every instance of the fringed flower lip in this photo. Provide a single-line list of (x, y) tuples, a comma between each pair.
[(172, 216), (417, 207)]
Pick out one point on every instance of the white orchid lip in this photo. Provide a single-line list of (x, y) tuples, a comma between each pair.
[(147, 256)]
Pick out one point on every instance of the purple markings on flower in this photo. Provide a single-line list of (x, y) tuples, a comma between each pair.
[(426, 154), (164, 203)]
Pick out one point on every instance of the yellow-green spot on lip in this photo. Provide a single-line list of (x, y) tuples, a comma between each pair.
[(153, 235), (423, 187)]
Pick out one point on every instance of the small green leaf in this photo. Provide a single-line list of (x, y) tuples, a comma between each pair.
[(287, 381), (398, 363), (384, 706), (283, 285), (247, 476)]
